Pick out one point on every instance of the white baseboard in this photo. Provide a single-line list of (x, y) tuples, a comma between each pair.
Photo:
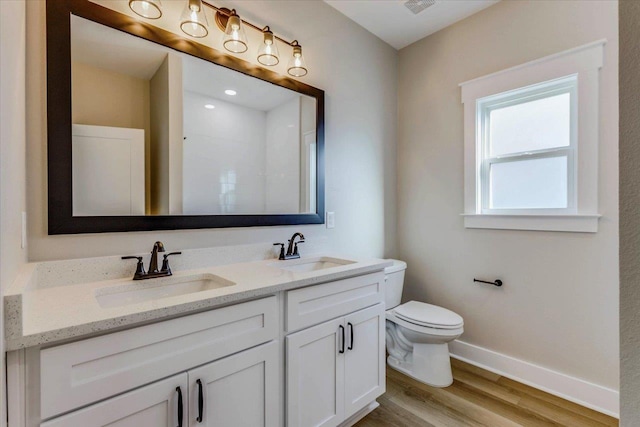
[(593, 396)]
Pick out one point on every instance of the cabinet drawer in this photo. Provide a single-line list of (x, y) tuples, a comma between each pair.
[(79, 373), (316, 304)]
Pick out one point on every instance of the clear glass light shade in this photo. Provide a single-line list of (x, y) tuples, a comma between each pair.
[(234, 40), (150, 9), (297, 67), (268, 53), (193, 21)]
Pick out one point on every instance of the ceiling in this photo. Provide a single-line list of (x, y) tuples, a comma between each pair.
[(109, 49), (206, 79), (394, 23)]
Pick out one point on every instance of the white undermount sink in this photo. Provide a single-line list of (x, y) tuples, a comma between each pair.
[(311, 264), (155, 289)]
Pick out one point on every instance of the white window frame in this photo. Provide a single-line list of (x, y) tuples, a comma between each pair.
[(575, 71)]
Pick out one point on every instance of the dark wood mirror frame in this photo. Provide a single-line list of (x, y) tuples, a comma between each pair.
[(61, 219)]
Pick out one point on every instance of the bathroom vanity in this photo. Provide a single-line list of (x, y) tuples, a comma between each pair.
[(263, 343)]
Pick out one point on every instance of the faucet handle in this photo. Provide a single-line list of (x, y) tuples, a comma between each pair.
[(139, 267), (281, 249), (295, 247), (165, 256), (165, 261)]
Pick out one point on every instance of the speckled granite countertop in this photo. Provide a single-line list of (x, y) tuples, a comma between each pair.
[(38, 313)]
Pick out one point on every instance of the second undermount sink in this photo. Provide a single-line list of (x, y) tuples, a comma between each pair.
[(155, 289), (305, 265)]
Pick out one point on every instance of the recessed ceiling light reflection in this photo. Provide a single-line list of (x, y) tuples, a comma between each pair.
[(230, 92), (209, 106)]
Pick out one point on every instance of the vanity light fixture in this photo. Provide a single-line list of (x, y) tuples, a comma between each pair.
[(268, 52), (234, 40), (150, 9), (230, 92), (297, 67), (193, 20)]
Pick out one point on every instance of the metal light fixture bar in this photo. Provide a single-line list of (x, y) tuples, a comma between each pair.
[(296, 67), (222, 15), (195, 24)]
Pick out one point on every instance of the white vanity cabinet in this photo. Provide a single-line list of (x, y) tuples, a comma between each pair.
[(79, 374), (240, 390), (304, 357), (336, 368)]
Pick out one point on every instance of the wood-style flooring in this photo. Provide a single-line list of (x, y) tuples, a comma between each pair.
[(476, 398)]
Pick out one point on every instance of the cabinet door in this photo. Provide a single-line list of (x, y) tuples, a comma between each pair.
[(240, 390), (154, 405), (364, 358), (315, 376)]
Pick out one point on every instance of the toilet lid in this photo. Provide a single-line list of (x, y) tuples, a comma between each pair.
[(429, 315)]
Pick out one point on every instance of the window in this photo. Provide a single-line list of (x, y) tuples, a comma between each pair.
[(527, 146), (531, 144)]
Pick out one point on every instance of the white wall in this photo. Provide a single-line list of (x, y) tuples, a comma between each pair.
[(558, 307), (357, 72), (12, 154), (629, 213)]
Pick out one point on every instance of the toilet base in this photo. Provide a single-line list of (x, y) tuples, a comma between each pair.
[(427, 363)]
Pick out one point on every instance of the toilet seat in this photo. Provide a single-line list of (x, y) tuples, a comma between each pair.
[(428, 315)]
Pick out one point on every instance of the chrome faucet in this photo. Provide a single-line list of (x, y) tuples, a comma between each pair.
[(140, 274)]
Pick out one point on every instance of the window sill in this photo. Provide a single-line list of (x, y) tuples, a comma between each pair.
[(568, 223)]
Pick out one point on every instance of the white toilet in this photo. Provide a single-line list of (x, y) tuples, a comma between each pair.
[(418, 333)]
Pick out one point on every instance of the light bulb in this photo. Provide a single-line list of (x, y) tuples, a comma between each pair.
[(268, 52), (234, 39), (194, 21), (297, 66)]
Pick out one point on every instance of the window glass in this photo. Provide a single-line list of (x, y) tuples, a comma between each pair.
[(529, 184), (529, 126)]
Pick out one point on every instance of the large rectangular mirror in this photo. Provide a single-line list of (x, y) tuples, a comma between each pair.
[(148, 130)]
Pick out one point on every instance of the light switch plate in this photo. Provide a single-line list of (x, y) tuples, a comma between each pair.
[(331, 219)]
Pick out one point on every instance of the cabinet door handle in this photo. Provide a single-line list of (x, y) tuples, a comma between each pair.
[(350, 336), (200, 401), (342, 341), (180, 408)]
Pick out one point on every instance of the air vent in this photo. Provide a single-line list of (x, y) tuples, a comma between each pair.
[(417, 6)]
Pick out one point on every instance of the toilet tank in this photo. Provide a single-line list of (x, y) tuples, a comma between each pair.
[(394, 282)]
